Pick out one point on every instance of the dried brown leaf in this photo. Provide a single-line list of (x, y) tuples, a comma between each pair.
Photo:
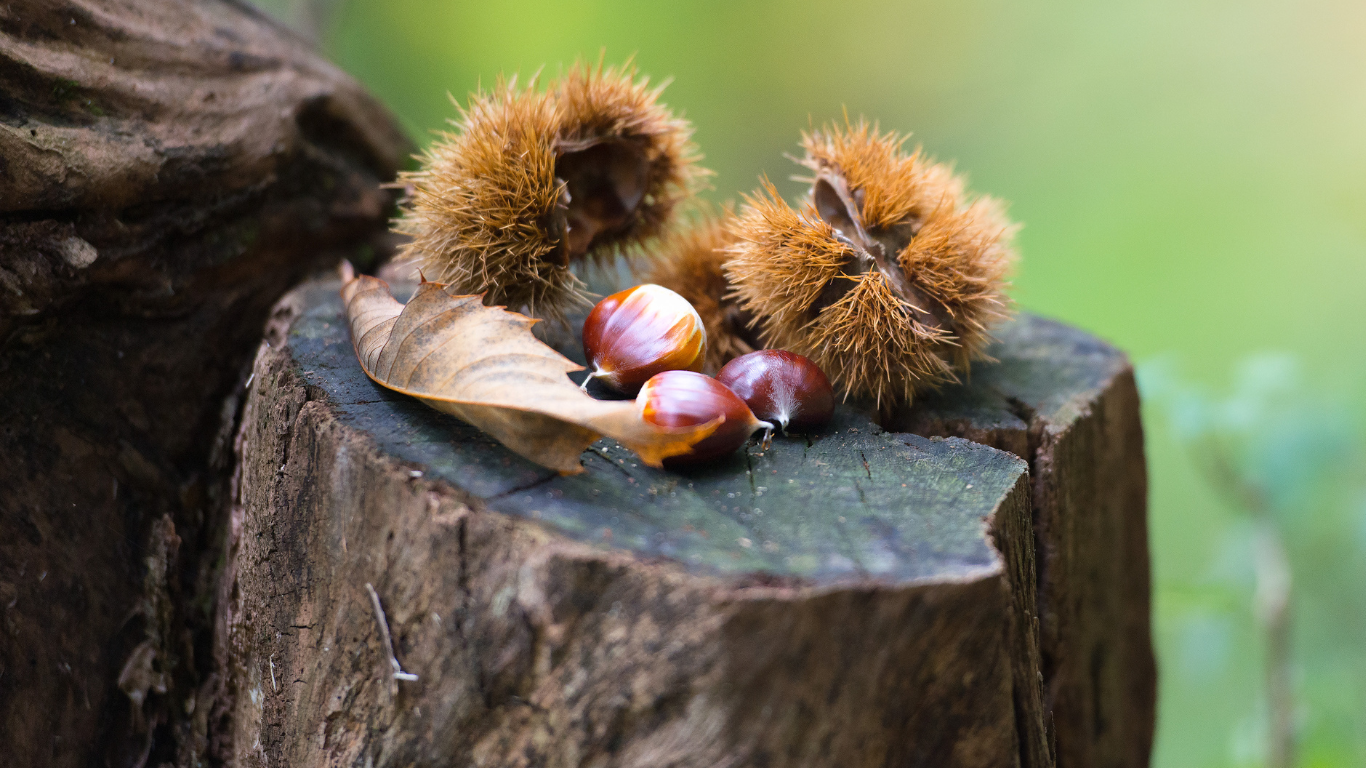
[(482, 365)]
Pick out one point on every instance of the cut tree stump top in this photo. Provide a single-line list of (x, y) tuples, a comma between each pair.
[(968, 587), (851, 501)]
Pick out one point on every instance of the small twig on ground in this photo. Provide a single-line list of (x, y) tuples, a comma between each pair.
[(385, 638)]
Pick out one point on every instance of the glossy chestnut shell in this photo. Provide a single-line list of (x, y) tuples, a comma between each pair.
[(685, 399), (782, 387), (639, 332)]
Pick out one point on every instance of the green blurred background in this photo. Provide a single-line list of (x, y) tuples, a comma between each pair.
[(1192, 181)]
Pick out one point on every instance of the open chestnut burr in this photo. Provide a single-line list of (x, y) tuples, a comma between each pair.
[(889, 277), (532, 182)]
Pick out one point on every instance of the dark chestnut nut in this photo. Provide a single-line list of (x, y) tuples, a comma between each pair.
[(782, 387), (639, 332), (685, 399)]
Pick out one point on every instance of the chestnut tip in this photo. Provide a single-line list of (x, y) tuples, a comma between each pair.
[(687, 398), (766, 441), (782, 386)]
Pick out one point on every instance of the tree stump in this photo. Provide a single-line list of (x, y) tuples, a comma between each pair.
[(401, 590), (1067, 403), (168, 168)]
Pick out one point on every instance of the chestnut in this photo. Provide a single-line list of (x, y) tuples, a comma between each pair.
[(781, 386), (639, 332), (685, 399)]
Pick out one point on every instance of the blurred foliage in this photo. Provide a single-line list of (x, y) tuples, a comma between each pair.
[(1192, 179), (1276, 450)]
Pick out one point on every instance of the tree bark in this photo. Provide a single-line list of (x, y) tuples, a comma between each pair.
[(167, 169), (860, 598), (1066, 402)]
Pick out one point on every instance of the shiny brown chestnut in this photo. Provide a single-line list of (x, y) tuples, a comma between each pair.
[(639, 332), (685, 399), (782, 387)]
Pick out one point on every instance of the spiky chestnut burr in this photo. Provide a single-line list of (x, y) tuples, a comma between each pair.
[(780, 386), (686, 399), (689, 262), (533, 181), (639, 332), (890, 276)]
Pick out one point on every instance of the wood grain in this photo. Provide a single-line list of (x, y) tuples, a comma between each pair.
[(167, 169), (1067, 403), (796, 606)]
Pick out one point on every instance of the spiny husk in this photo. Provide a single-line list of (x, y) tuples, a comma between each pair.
[(690, 263), (485, 212), (613, 103), (870, 343), (780, 262), (875, 341), (478, 208), (896, 186), (961, 258)]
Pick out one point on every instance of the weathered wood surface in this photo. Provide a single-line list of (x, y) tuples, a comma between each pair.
[(1067, 403), (799, 606), (167, 169)]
